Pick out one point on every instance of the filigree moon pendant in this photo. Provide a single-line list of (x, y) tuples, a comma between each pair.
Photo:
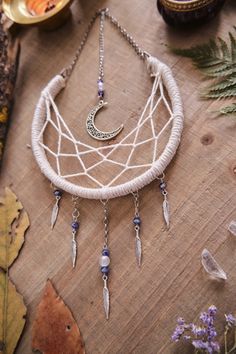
[(96, 133)]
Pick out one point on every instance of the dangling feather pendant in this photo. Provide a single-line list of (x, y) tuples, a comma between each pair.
[(138, 246), (75, 226), (55, 209), (138, 242), (165, 205), (73, 252), (106, 298), (104, 263), (166, 212)]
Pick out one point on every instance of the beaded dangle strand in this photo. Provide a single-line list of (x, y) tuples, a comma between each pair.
[(137, 225), (75, 227), (165, 205), (104, 261)]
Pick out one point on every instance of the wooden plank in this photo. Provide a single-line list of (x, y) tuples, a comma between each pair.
[(201, 181)]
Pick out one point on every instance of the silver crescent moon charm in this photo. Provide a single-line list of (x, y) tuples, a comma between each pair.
[(96, 133)]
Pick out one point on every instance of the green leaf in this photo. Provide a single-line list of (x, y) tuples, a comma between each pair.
[(219, 94), (224, 49), (222, 85), (233, 47), (228, 109), (216, 60)]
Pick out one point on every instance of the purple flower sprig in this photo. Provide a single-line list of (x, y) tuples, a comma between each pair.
[(203, 336)]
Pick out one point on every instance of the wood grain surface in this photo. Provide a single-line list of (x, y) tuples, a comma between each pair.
[(201, 183)]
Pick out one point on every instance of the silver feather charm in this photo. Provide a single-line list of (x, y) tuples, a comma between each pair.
[(166, 212), (138, 246), (165, 205), (55, 211), (106, 298), (73, 252)]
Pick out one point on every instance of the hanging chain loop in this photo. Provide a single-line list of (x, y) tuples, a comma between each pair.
[(103, 13)]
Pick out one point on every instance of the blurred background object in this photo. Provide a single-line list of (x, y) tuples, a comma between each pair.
[(189, 12), (49, 14), (9, 58)]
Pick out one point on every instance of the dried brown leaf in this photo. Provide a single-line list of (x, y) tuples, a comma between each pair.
[(12, 315), (55, 330), (11, 236)]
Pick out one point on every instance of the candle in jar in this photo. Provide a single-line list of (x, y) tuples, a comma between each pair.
[(40, 7)]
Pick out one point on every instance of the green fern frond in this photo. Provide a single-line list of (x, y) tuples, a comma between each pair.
[(221, 94), (216, 59), (221, 70), (222, 85), (233, 47), (228, 109)]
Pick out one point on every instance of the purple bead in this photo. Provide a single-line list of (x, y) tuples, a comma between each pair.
[(100, 93), (137, 220), (105, 252), (57, 193), (75, 225), (162, 185), (105, 270)]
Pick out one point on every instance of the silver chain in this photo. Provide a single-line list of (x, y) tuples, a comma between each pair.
[(103, 13), (136, 203), (105, 222), (75, 213), (101, 47)]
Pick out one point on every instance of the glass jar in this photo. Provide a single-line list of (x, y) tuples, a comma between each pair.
[(188, 12)]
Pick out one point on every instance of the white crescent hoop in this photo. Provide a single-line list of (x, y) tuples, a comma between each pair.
[(155, 67)]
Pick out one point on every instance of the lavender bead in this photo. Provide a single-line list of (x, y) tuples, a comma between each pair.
[(162, 186), (105, 270), (75, 225), (105, 252), (137, 221), (101, 93), (57, 193)]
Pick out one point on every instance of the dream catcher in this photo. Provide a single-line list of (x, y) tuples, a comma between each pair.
[(163, 115)]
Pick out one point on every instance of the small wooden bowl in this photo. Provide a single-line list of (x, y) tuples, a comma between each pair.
[(188, 12), (48, 13)]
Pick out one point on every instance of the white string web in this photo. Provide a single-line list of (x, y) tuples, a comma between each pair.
[(130, 141)]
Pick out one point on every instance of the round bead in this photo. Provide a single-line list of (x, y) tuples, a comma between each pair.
[(105, 270), (100, 85), (137, 220), (162, 185), (57, 193), (75, 225), (105, 252), (101, 93), (104, 261)]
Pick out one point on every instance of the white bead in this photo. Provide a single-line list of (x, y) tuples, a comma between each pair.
[(104, 261), (100, 86)]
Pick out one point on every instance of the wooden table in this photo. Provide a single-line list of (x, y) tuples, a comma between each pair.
[(201, 183)]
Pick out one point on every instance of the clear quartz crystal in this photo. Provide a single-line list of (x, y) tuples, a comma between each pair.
[(211, 266), (232, 228)]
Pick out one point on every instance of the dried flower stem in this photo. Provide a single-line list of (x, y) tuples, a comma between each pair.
[(225, 338), (234, 347)]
